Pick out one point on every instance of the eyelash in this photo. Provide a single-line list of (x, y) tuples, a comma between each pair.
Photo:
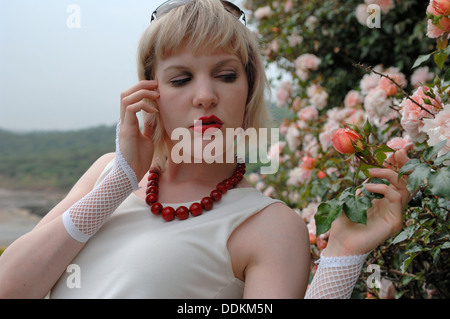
[(227, 78)]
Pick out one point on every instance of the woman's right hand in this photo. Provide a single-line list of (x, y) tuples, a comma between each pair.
[(136, 146)]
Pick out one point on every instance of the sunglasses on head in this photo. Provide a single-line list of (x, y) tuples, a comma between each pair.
[(172, 4)]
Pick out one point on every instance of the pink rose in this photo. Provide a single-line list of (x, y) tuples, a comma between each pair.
[(308, 113), (412, 114), (307, 163), (369, 82), (377, 105), (388, 86), (362, 14), (275, 150), (438, 129), (386, 5), (307, 61), (433, 31), (387, 289), (343, 140), (317, 96), (284, 92), (299, 176), (398, 143), (263, 12), (325, 136), (292, 137), (288, 5), (353, 98), (442, 7), (421, 76)]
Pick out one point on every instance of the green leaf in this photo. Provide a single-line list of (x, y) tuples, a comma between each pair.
[(408, 167), (441, 159), (431, 151), (355, 208), (407, 262), (418, 176), (439, 59), (439, 182), (447, 75), (326, 213), (421, 59)]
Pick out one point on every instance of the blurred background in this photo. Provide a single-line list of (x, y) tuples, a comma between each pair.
[(63, 65)]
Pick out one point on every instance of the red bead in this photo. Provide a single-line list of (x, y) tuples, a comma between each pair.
[(153, 189), (228, 183), (153, 176), (241, 168), (234, 180), (155, 170), (168, 213), (238, 175), (216, 195), (207, 203), (156, 208), (222, 188), (196, 209), (151, 198), (182, 212), (152, 182)]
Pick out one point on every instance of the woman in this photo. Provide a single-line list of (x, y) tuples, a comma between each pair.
[(199, 70)]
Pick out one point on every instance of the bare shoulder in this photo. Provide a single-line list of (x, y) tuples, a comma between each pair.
[(270, 252), (275, 230)]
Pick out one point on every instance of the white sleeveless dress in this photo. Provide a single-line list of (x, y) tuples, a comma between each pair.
[(138, 255)]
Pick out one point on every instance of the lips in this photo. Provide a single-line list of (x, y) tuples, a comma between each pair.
[(204, 123)]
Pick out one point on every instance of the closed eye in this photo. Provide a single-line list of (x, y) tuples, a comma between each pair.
[(180, 81), (228, 77)]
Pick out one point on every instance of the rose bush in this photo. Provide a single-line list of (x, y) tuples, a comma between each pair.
[(390, 86)]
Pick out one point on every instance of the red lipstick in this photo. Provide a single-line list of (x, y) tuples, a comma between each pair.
[(211, 122)]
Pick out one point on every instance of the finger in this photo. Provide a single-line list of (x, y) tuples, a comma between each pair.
[(401, 157), (388, 192), (388, 174), (138, 96), (136, 99), (141, 85)]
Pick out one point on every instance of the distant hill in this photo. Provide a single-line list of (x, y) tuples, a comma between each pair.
[(55, 160), (50, 160)]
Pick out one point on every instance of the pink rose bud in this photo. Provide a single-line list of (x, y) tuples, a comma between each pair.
[(441, 6), (343, 140)]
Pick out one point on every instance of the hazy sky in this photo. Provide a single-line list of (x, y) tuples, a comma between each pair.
[(64, 63)]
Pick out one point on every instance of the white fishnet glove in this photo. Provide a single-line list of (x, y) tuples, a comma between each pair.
[(335, 277), (83, 219)]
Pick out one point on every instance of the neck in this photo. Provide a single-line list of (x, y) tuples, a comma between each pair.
[(203, 173)]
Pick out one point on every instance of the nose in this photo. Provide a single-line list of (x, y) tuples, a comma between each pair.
[(205, 94)]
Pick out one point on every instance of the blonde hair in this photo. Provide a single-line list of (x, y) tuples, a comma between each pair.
[(204, 25)]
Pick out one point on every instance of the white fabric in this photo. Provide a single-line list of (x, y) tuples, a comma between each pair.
[(138, 255), (83, 219), (335, 277)]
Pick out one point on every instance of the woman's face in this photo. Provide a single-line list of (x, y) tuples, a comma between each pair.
[(209, 87)]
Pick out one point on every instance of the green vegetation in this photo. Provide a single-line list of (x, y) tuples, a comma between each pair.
[(50, 160)]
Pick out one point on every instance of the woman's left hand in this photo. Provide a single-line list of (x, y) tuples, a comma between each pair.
[(384, 218)]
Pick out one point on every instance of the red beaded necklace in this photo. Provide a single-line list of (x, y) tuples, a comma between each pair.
[(196, 209)]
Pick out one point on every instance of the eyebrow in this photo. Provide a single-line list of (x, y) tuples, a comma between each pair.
[(216, 66)]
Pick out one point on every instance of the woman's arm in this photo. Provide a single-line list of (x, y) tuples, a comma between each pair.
[(274, 247), (349, 243), (31, 265)]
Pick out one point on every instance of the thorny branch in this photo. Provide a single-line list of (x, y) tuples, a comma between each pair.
[(370, 69)]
